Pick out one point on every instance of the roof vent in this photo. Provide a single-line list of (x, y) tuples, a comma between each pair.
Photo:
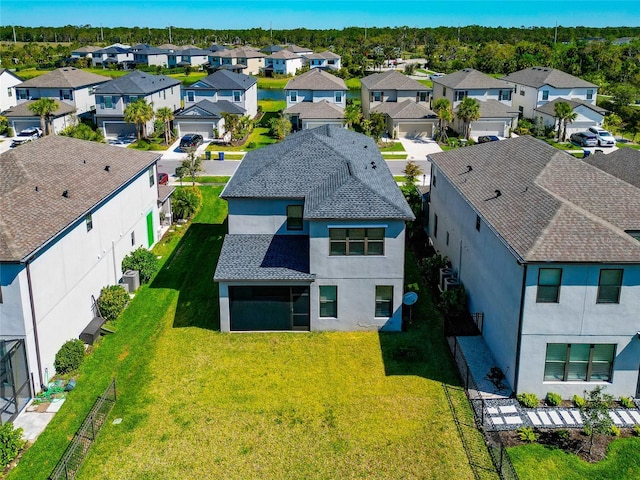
[(498, 193), (469, 168), (107, 168), (37, 189), (65, 194), (84, 161)]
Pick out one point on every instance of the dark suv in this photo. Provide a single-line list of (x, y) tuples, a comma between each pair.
[(191, 141)]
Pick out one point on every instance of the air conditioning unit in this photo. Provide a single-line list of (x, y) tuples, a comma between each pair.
[(131, 278), (444, 274), (450, 283), (124, 285)]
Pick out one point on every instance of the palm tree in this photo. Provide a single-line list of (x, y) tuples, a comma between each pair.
[(565, 115), (442, 108), (44, 107), (139, 112), (468, 111), (165, 115), (352, 115)]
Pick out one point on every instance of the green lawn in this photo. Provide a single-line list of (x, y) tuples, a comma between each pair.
[(193, 77), (353, 83), (207, 179), (393, 147), (426, 82), (538, 462), (196, 403), (395, 156), (273, 83)]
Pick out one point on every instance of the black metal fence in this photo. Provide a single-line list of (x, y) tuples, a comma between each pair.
[(499, 455), (70, 463)]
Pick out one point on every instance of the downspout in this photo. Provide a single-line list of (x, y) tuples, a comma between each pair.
[(34, 323), (516, 371)]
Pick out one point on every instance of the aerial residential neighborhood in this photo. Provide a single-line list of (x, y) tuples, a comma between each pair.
[(300, 248)]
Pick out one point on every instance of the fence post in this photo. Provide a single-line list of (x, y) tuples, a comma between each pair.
[(501, 457)]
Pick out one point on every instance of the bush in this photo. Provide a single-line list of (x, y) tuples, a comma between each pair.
[(10, 443), (112, 301), (453, 302), (142, 260), (526, 434), (579, 401), (69, 357), (554, 399), (430, 268), (614, 431), (186, 201), (636, 430), (627, 402), (529, 400)]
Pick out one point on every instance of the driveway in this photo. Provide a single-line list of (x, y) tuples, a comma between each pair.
[(419, 147)]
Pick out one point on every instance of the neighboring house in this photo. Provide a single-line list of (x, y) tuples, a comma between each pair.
[(205, 118), (624, 164), (194, 57), (536, 86), (245, 60), (68, 84), (403, 101), (236, 88), (8, 82), (316, 237), (71, 212), (114, 96), (20, 117), (497, 116), (552, 263), (588, 115), (151, 56), (268, 50), (84, 52), (112, 55), (283, 62), (324, 60), (299, 50)]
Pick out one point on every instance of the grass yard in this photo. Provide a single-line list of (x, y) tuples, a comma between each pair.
[(395, 156), (426, 83), (196, 403), (190, 79), (206, 179), (538, 462), (353, 83), (269, 83), (393, 147)]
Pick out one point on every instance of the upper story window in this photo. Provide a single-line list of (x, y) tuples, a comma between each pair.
[(460, 94), (545, 95), (504, 95), (421, 96), (10, 92), (478, 222), (294, 217), (237, 96), (589, 94), (376, 96), (522, 92), (609, 285), (191, 95), (152, 179), (338, 97), (23, 93), (88, 220), (444, 91), (356, 241), (66, 95), (293, 95), (108, 102), (566, 362), (549, 280)]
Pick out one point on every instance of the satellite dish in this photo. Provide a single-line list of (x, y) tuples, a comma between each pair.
[(410, 298)]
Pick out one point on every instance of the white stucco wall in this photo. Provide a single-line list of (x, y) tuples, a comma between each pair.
[(8, 97), (260, 216)]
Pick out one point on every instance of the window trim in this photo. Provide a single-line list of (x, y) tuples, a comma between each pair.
[(383, 301), (605, 301), (365, 241), (333, 303), (545, 299), (295, 222)]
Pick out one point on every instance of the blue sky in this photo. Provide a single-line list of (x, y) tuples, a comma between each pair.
[(320, 14)]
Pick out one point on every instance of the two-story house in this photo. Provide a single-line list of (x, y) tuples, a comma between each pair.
[(299, 50), (552, 262), (84, 52), (115, 54), (71, 212), (315, 98), (113, 97), (316, 237), (497, 116), (283, 62), (403, 101), (194, 57), (587, 115), (8, 82), (326, 60), (151, 56), (243, 60), (537, 86)]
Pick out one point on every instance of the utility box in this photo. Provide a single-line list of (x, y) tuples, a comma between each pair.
[(92, 331), (131, 278)]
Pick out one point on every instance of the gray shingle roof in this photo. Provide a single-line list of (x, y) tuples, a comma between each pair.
[(537, 77), (316, 79), (66, 77), (543, 213), (136, 83), (327, 55), (548, 108), (392, 80), (195, 52), (316, 110), (113, 49), (214, 109), (296, 49), (468, 78), (405, 110), (239, 53), (624, 164), (226, 80), (284, 54), (22, 110), (54, 164), (264, 257), (331, 168), (496, 109)]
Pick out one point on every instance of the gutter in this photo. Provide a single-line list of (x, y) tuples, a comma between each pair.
[(516, 371), (34, 322)]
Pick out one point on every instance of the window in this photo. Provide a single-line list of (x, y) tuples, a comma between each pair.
[(421, 97), (566, 362), (9, 92), (433, 179), (108, 102), (293, 96), (164, 94), (66, 95), (191, 96), (447, 238), (294, 217), (133, 239), (435, 226), (549, 280), (376, 96), (504, 95), (522, 92), (356, 241), (545, 95), (634, 234), (460, 94), (384, 300), (23, 93), (328, 301), (88, 220), (152, 180), (338, 97), (589, 94), (444, 91), (237, 96), (478, 222), (609, 286)]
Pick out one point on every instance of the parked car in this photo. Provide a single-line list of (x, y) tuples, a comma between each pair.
[(191, 141), (436, 75), (26, 135), (487, 138), (605, 139), (163, 178), (584, 139)]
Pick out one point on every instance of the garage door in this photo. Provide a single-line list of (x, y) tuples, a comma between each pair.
[(415, 130), (316, 123), (487, 128), (204, 129), (19, 125), (260, 308), (113, 129)]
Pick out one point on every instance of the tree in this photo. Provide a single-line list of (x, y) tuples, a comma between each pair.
[(442, 108), (142, 260), (279, 127), (165, 115), (186, 201), (612, 122), (352, 115), (192, 165), (378, 125), (139, 113), (44, 107), (595, 413), (468, 111), (564, 115), (411, 172), (83, 132)]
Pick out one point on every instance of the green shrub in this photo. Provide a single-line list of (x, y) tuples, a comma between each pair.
[(453, 302), (554, 399), (186, 201), (112, 301), (627, 402), (430, 267), (10, 132), (529, 400), (142, 260), (4, 125), (614, 431), (11, 443), (526, 434), (69, 357), (636, 430), (579, 401)]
